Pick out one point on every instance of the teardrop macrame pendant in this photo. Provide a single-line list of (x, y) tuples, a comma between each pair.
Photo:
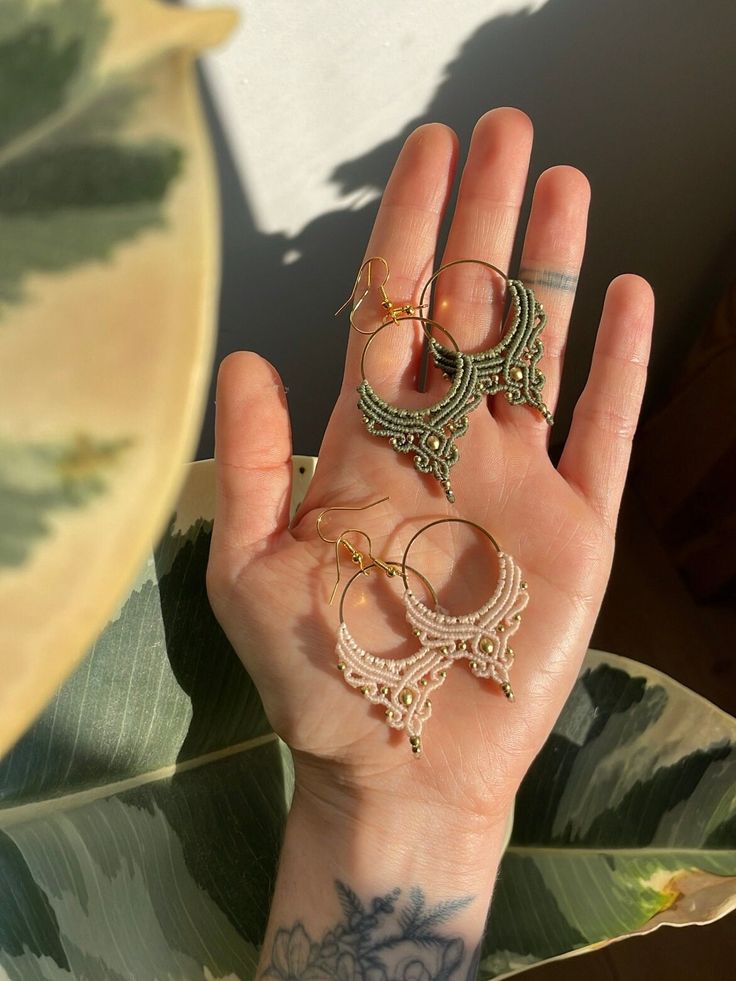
[(402, 686), (511, 366), (429, 434)]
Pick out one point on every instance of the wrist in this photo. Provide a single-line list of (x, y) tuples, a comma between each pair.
[(403, 826), (385, 874)]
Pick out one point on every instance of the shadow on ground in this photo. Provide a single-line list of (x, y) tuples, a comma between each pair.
[(636, 95)]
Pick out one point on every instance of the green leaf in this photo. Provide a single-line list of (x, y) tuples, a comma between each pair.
[(87, 177), (37, 480), (63, 144), (46, 52), (28, 924), (621, 822), (155, 881), (141, 816), (108, 288)]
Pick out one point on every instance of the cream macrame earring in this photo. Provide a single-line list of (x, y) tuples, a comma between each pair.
[(402, 686)]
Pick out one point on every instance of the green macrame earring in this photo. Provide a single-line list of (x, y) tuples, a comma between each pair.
[(428, 434), (511, 365)]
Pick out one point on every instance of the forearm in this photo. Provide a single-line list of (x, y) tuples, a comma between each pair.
[(398, 889)]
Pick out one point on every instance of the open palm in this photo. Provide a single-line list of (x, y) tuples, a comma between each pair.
[(269, 583)]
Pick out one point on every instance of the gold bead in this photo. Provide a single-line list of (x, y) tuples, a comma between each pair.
[(473, 665), (433, 442), (442, 675), (510, 651), (389, 713), (516, 374), (384, 690), (507, 690), (500, 628), (415, 740), (461, 645), (517, 617), (364, 690), (341, 665), (417, 632), (494, 379), (524, 585), (509, 396), (445, 650), (406, 697), (486, 645), (423, 682), (429, 704)]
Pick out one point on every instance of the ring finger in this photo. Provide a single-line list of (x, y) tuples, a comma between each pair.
[(550, 265)]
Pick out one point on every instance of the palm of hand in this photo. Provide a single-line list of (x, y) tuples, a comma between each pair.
[(269, 583)]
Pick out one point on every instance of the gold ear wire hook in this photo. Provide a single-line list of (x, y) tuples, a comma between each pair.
[(391, 309), (368, 264), (343, 507), (355, 554), (359, 559)]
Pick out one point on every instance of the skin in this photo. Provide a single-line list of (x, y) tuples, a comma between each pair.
[(269, 583)]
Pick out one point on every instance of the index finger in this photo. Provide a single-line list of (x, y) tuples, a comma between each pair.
[(405, 234)]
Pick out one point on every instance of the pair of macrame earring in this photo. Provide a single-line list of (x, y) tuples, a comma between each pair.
[(403, 686), (510, 367)]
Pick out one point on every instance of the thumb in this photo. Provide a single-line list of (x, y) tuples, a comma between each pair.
[(252, 461)]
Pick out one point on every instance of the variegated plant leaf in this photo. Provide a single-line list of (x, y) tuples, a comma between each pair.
[(626, 820), (140, 816), (108, 281)]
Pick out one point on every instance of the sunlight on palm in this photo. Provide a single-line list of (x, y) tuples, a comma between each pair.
[(269, 584)]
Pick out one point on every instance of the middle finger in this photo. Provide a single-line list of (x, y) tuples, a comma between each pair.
[(469, 299)]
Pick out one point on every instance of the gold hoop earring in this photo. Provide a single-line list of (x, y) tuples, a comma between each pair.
[(403, 686), (429, 434), (511, 366)]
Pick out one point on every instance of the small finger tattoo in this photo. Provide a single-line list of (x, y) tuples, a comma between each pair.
[(550, 279)]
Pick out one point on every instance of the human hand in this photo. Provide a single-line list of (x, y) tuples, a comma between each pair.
[(269, 583)]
